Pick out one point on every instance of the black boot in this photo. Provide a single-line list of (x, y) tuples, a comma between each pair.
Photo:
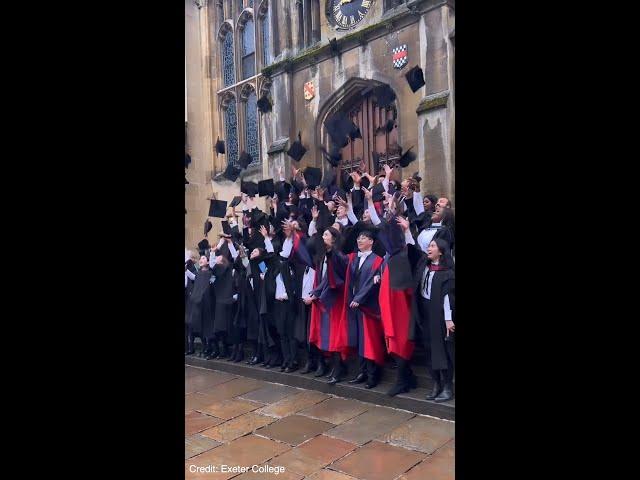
[(223, 351), (339, 371), (239, 354), (309, 366), (232, 355), (446, 394), (435, 391), (402, 379), (361, 377), (322, 368)]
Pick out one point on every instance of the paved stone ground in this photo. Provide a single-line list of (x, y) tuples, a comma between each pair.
[(242, 422)]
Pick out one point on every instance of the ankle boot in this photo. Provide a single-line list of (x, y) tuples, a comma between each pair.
[(435, 391), (239, 354), (402, 380), (322, 368), (232, 355), (446, 394)]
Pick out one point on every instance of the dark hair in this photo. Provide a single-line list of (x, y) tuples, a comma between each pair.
[(334, 233), (446, 260), (303, 225), (366, 233), (448, 219), (433, 199)]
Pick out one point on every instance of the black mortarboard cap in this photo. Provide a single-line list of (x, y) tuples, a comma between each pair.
[(250, 188), (355, 131), (333, 156), (312, 176), (218, 208), (266, 187), (385, 95), (244, 160), (220, 146), (203, 245), (305, 203), (378, 192), (339, 126), (226, 228), (207, 227), (364, 182), (232, 173), (264, 104), (407, 157), (297, 150), (235, 202), (415, 78), (282, 190)]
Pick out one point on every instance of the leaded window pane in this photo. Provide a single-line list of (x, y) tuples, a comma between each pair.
[(252, 140), (248, 50), (231, 128), (227, 60), (266, 57)]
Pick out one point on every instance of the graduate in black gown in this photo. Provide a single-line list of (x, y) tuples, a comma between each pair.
[(246, 319), (188, 287), (432, 316), (199, 312), (225, 301)]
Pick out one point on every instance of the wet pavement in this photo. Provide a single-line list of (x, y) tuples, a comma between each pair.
[(243, 428)]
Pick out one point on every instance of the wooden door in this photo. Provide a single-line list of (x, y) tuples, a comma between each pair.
[(375, 139)]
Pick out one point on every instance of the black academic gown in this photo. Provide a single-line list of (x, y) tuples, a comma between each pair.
[(199, 307), (223, 285), (247, 312), (431, 323)]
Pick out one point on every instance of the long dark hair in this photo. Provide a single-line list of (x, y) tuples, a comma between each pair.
[(446, 260)]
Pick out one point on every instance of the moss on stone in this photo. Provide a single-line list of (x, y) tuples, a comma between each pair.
[(432, 102)]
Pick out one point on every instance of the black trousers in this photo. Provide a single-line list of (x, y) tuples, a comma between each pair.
[(369, 368), (441, 376), (284, 321)]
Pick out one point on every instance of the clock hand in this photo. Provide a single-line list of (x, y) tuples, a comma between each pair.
[(342, 2)]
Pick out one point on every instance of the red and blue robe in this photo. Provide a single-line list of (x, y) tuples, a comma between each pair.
[(328, 305), (360, 329)]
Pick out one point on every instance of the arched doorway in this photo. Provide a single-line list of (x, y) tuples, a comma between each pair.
[(378, 126)]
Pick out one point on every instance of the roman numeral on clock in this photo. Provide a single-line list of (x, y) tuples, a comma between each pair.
[(360, 14), (366, 3), (336, 8), (339, 16)]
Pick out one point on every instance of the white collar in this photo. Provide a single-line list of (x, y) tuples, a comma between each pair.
[(364, 254)]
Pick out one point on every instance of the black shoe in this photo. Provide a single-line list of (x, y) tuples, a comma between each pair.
[(434, 392), (321, 370), (445, 395), (373, 384), (254, 361), (398, 388), (333, 381), (308, 368), (359, 379), (291, 368), (239, 356), (283, 367), (331, 373)]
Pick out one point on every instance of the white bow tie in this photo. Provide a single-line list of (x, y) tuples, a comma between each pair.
[(363, 254)]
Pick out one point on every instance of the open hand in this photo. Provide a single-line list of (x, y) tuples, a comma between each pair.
[(404, 223), (263, 231)]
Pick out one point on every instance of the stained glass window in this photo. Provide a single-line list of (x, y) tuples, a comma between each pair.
[(227, 60), (266, 58), (252, 141), (248, 50), (231, 128)]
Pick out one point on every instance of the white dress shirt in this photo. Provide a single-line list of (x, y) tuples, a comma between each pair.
[(281, 291), (307, 282), (363, 256)]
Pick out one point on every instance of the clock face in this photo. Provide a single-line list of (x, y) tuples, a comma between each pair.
[(346, 14)]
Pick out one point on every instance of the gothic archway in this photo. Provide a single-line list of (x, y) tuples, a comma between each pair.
[(378, 144)]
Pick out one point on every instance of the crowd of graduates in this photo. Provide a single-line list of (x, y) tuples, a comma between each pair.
[(363, 266)]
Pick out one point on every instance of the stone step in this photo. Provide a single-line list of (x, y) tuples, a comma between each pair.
[(413, 401)]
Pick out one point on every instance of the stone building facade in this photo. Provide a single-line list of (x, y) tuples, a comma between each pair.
[(313, 58)]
